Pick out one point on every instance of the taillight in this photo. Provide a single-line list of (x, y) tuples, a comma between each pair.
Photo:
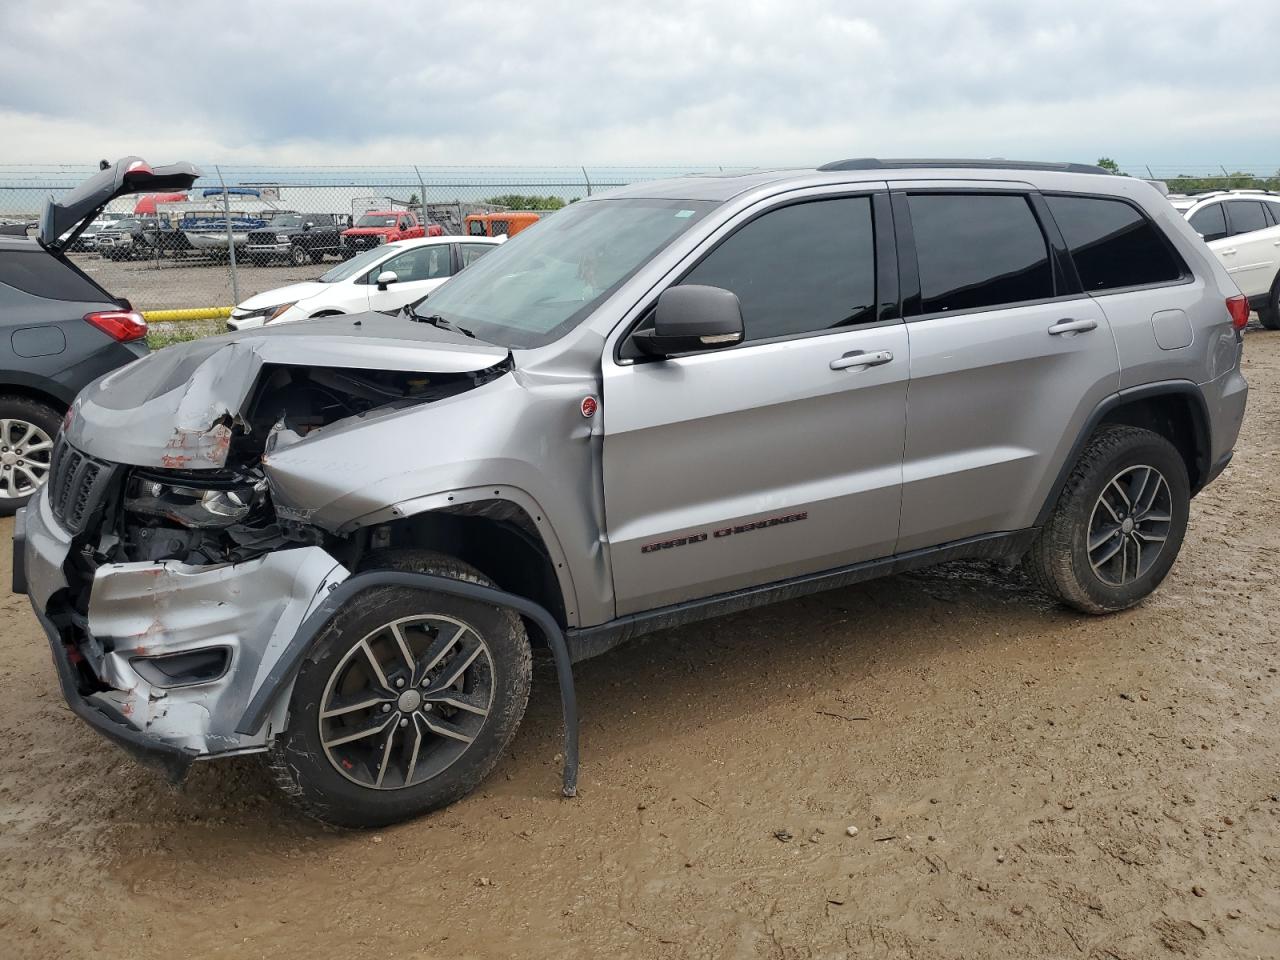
[(122, 325), (1238, 307)]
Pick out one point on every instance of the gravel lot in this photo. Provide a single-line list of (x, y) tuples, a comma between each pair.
[(172, 284), (1025, 782)]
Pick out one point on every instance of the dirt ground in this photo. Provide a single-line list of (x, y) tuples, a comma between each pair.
[(1025, 782), (189, 282)]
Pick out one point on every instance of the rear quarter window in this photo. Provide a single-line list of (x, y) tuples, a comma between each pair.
[(44, 275), (1113, 244)]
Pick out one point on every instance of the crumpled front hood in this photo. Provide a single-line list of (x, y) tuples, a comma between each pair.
[(175, 408)]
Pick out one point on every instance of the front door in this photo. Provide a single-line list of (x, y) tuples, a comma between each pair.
[(418, 270), (778, 457)]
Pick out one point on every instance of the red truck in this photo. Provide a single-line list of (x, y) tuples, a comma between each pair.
[(376, 227)]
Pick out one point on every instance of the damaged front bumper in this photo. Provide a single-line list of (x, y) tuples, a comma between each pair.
[(223, 626)]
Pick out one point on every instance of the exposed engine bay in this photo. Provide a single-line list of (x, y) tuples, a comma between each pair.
[(226, 515)]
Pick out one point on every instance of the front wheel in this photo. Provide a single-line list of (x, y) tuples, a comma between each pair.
[(406, 702), (1118, 524), (298, 256)]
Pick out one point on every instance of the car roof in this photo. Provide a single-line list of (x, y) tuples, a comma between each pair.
[(427, 241), (722, 187)]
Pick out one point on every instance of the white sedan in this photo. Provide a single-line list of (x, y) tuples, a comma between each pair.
[(384, 278)]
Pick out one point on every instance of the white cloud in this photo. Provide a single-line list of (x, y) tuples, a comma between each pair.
[(717, 81)]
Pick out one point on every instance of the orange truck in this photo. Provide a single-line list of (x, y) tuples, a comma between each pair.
[(507, 223)]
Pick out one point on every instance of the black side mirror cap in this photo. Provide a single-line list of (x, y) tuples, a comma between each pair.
[(691, 318)]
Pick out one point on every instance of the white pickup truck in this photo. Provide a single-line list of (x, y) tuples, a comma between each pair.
[(1242, 227)]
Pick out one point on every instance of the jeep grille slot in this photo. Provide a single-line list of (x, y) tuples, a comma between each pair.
[(76, 484)]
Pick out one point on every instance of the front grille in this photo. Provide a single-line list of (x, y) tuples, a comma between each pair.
[(77, 483)]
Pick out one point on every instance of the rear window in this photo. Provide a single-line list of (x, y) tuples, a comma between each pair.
[(1113, 244), (978, 250), (43, 275)]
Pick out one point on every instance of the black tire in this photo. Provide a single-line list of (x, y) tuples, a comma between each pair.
[(298, 759), (1060, 558), (298, 256), (24, 410), (1269, 314)]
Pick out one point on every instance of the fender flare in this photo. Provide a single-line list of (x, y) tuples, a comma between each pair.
[(286, 667), (474, 494), (1182, 388)]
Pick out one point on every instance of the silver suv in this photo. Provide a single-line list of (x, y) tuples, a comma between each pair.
[(336, 543)]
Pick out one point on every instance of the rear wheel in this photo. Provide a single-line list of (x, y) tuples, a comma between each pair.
[(1118, 524), (1269, 314), (406, 702), (27, 429)]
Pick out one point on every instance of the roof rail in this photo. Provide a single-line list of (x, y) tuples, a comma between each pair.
[(872, 163)]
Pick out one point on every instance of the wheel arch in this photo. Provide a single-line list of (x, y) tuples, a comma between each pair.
[(10, 388), (500, 531), (1174, 409)]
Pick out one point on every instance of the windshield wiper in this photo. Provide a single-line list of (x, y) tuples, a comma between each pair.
[(438, 321)]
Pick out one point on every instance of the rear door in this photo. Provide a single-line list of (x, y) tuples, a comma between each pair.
[(1008, 358), (1252, 252), (778, 457)]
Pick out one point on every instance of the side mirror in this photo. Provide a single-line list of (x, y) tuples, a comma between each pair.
[(386, 278), (308, 225), (692, 317)]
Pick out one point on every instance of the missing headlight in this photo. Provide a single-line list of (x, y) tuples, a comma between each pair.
[(211, 503)]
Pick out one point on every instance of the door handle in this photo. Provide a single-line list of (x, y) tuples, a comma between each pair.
[(860, 358), (1072, 327), (1228, 253)]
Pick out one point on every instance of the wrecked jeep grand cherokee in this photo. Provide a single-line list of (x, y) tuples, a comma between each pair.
[(335, 543)]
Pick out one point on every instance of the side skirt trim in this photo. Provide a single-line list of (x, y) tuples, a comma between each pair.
[(587, 642)]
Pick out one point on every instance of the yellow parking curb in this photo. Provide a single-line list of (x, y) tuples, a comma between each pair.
[(191, 313)]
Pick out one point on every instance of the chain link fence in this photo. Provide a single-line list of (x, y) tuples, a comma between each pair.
[(242, 230)]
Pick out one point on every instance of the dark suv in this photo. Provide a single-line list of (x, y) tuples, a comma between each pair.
[(60, 330), (297, 237)]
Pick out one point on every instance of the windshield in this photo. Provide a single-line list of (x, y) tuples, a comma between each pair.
[(544, 281), (285, 220), (376, 220), (356, 264)]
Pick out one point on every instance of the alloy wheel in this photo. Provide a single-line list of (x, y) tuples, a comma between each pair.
[(406, 701), (25, 451), (1129, 525)]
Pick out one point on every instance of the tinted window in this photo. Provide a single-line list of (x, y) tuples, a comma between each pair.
[(1112, 244), (46, 276), (803, 268), (1273, 212), (476, 228), (1246, 216), (1210, 222), (473, 251), (978, 251)]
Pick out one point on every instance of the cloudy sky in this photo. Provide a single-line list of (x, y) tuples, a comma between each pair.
[(1174, 82)]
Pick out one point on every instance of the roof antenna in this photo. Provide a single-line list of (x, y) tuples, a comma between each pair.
[(104, 165)]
